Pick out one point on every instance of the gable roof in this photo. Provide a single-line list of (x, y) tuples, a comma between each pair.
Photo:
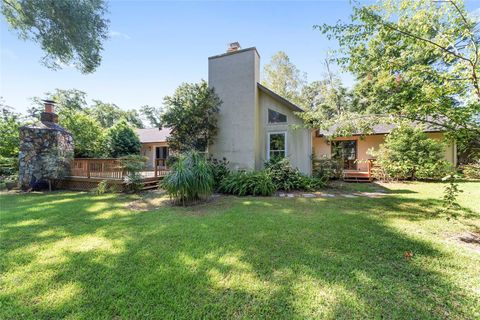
[(151, 135), (279, 98)]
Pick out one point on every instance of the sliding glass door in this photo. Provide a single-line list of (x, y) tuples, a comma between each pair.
[(346, 152)]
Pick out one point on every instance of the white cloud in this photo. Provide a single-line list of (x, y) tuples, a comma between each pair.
[(117, 34)]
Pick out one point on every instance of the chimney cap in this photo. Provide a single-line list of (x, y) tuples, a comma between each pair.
[(234, 46)]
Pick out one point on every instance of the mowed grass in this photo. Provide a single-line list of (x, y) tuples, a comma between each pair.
[(78, 256)]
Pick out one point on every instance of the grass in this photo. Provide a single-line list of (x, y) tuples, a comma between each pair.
[(78, 256)]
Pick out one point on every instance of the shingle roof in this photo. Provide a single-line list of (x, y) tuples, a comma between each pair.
[(279, 98), (382, 128), (153, 135)]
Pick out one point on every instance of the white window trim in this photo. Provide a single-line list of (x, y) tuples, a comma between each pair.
[(276, 123), (268, 142)]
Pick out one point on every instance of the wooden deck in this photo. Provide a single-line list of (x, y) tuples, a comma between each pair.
[(359, 176), (86, 174)]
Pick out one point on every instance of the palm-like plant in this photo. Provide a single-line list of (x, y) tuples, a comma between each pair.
[(190, 179)]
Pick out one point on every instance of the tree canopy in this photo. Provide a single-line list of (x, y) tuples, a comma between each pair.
[(69, 32), (284, 78), (191, 114), (416, 60), (122, 140)]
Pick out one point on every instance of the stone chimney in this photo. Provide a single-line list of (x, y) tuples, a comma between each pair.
[(46, 151)]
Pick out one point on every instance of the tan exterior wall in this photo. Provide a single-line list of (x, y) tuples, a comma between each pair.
[(234, 78), (148, 150), (322, 148), (299, 146)]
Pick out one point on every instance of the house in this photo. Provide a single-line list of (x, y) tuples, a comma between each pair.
[(154, 146), (256, 123)]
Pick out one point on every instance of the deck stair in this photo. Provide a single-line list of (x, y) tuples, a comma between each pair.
[(356, 176), (150, 183)]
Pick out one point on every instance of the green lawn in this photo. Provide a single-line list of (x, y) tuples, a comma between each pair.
[(78, 256)]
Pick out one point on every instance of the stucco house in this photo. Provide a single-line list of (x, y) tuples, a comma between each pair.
[(256, 123)]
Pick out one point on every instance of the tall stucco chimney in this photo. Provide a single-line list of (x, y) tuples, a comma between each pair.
[(234, 76)]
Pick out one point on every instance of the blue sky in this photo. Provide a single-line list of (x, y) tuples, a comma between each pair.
[(157, 45)]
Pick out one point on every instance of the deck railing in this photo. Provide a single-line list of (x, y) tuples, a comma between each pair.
[(97, 168), (111, 169), (161, 168)]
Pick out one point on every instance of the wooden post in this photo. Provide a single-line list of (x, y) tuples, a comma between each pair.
[(88, 168), (156, 167)]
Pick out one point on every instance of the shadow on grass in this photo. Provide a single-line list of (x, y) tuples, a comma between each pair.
[(75, 255)]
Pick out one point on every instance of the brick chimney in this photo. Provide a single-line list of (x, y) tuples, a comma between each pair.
[(232, 47), (49, 114)]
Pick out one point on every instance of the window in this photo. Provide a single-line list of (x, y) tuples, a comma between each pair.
[(276, 117), (161, 153), (277, 145), (346, 152)]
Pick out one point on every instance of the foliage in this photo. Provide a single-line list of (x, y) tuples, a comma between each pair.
[(8, 166), (133, 165), (101, 188), (327, 168), (66, 100), (88, 135), (471, 170), (10, 123), (152, 114), (450, 196), (190, 179), (415, 60), (191, 113), (67, 31), (108, 114), (284, 78), (122, 140), (287, 178), (220, 170), (243, 183), (408, 153)]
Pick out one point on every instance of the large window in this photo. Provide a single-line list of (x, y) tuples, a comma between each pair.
[(276, 117), (346, 152), (277, 145)]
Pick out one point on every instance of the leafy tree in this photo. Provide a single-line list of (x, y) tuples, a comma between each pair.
[(122, 140), (10, 123), (67, 31), (65, 99), (284, 78), (408, 153), (191, 113), (109, 113), (88, 135), (416, 60), (152, 114)]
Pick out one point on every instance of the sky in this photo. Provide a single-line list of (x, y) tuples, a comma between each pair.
[(154, 46)]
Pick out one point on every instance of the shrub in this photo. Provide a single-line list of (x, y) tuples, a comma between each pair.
[(134, 165), (287, 178), (101, 188), (220, 170), (326, 168), (242, 183), (190, 179), (471, 170), (122, 140), (408, 153)]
